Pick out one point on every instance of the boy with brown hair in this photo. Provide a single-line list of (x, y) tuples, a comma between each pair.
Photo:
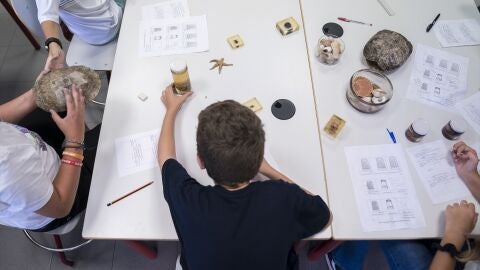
[(234, 224)]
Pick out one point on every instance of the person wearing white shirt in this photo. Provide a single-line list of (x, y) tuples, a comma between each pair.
[(39, 189), (94, 21)]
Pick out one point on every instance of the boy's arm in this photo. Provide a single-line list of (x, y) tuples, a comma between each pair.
[(17, 108), (270, 172), (166, 142)]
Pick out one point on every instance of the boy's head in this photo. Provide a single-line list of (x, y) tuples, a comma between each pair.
[(230, 142)]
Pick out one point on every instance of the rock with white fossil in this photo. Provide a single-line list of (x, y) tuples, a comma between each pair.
[(49, 90)]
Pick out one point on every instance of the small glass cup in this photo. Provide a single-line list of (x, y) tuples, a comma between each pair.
[(330, 49), (453, 129), (181, 80), (417, 130)]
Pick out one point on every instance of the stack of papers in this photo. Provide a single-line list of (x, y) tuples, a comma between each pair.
[(438, 78), (469, 108), (434, 164), (167, 29), (384, 191), (452, 33)]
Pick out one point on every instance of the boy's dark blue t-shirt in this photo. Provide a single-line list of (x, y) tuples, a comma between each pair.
[(251, 228)]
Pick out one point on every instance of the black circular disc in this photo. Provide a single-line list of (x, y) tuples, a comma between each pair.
[(332, 29), (283, 109)]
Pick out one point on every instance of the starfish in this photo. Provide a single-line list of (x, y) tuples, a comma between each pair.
[(220, 64)]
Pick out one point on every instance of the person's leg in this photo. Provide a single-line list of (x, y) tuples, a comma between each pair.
[(350, 255), (406, 254)]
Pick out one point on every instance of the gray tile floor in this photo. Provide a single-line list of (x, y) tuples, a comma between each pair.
[(19, 66)]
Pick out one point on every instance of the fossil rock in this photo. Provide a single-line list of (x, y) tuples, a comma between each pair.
[(49, 89), (387, 50)]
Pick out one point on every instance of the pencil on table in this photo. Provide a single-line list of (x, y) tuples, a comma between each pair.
[(130, 193)]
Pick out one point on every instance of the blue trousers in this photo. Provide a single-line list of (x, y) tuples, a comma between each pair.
[(400, 254)]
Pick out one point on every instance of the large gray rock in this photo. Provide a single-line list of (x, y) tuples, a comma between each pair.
[(49, 90), (387, 50)]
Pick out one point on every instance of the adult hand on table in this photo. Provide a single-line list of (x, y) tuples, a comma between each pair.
[(73, 124), (460, 219), (56, 57), (172, 101), (466, 160)]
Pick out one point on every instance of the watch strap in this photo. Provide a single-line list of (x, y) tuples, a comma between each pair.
[(448, 247), (53, 39)]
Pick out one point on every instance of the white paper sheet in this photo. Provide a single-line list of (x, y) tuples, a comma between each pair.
[(438, 78), (434, 164), (165, 10), (174, 36), (463, 32), (469, 108), (137, 152), (384, 192)]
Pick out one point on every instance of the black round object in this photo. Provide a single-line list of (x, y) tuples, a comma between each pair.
[(283, 109), (288, 25), (332, 29)]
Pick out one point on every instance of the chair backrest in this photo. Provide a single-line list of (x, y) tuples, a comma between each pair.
[(27, 12)]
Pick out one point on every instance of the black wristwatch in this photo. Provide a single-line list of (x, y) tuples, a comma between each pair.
[(448, 247), (52, 39)]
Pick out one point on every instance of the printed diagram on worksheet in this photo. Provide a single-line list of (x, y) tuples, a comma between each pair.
[(438, 78), (177, 36), (384, 192)]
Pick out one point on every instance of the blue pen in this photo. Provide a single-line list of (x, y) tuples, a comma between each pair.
[(392, 136)]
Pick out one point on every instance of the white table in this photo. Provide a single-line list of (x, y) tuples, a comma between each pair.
[(269, 67), (331, 83)]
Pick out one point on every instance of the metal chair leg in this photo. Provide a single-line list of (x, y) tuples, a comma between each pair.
[(323, 249), (63, 258), (142, 248), (20, 24)]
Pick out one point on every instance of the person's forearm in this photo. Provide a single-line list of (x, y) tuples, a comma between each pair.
[(272, 173), (473, 183), (64, 190), (166, 142), (51, 29), (443, 260), (16, 109)]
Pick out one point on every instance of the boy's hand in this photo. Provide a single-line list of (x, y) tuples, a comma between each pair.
[(465, 159), (172, 101), (460, 219), (73, 125)]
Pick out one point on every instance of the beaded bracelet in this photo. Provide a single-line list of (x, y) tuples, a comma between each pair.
[(77, 145), (72, 154), (71, 162)]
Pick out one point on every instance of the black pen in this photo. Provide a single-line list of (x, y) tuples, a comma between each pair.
[(434, 21)]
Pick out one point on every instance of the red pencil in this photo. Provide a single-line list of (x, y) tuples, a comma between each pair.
[(130, 193), (343, 19)]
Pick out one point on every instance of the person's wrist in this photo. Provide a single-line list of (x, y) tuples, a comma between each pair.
[(455, 237), (172, 111), (75, 137), (470, 177)]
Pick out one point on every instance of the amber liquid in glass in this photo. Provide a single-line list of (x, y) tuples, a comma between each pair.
[(181, 82)]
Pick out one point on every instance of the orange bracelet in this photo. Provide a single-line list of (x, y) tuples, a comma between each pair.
[(72, 154), (71, 162)]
